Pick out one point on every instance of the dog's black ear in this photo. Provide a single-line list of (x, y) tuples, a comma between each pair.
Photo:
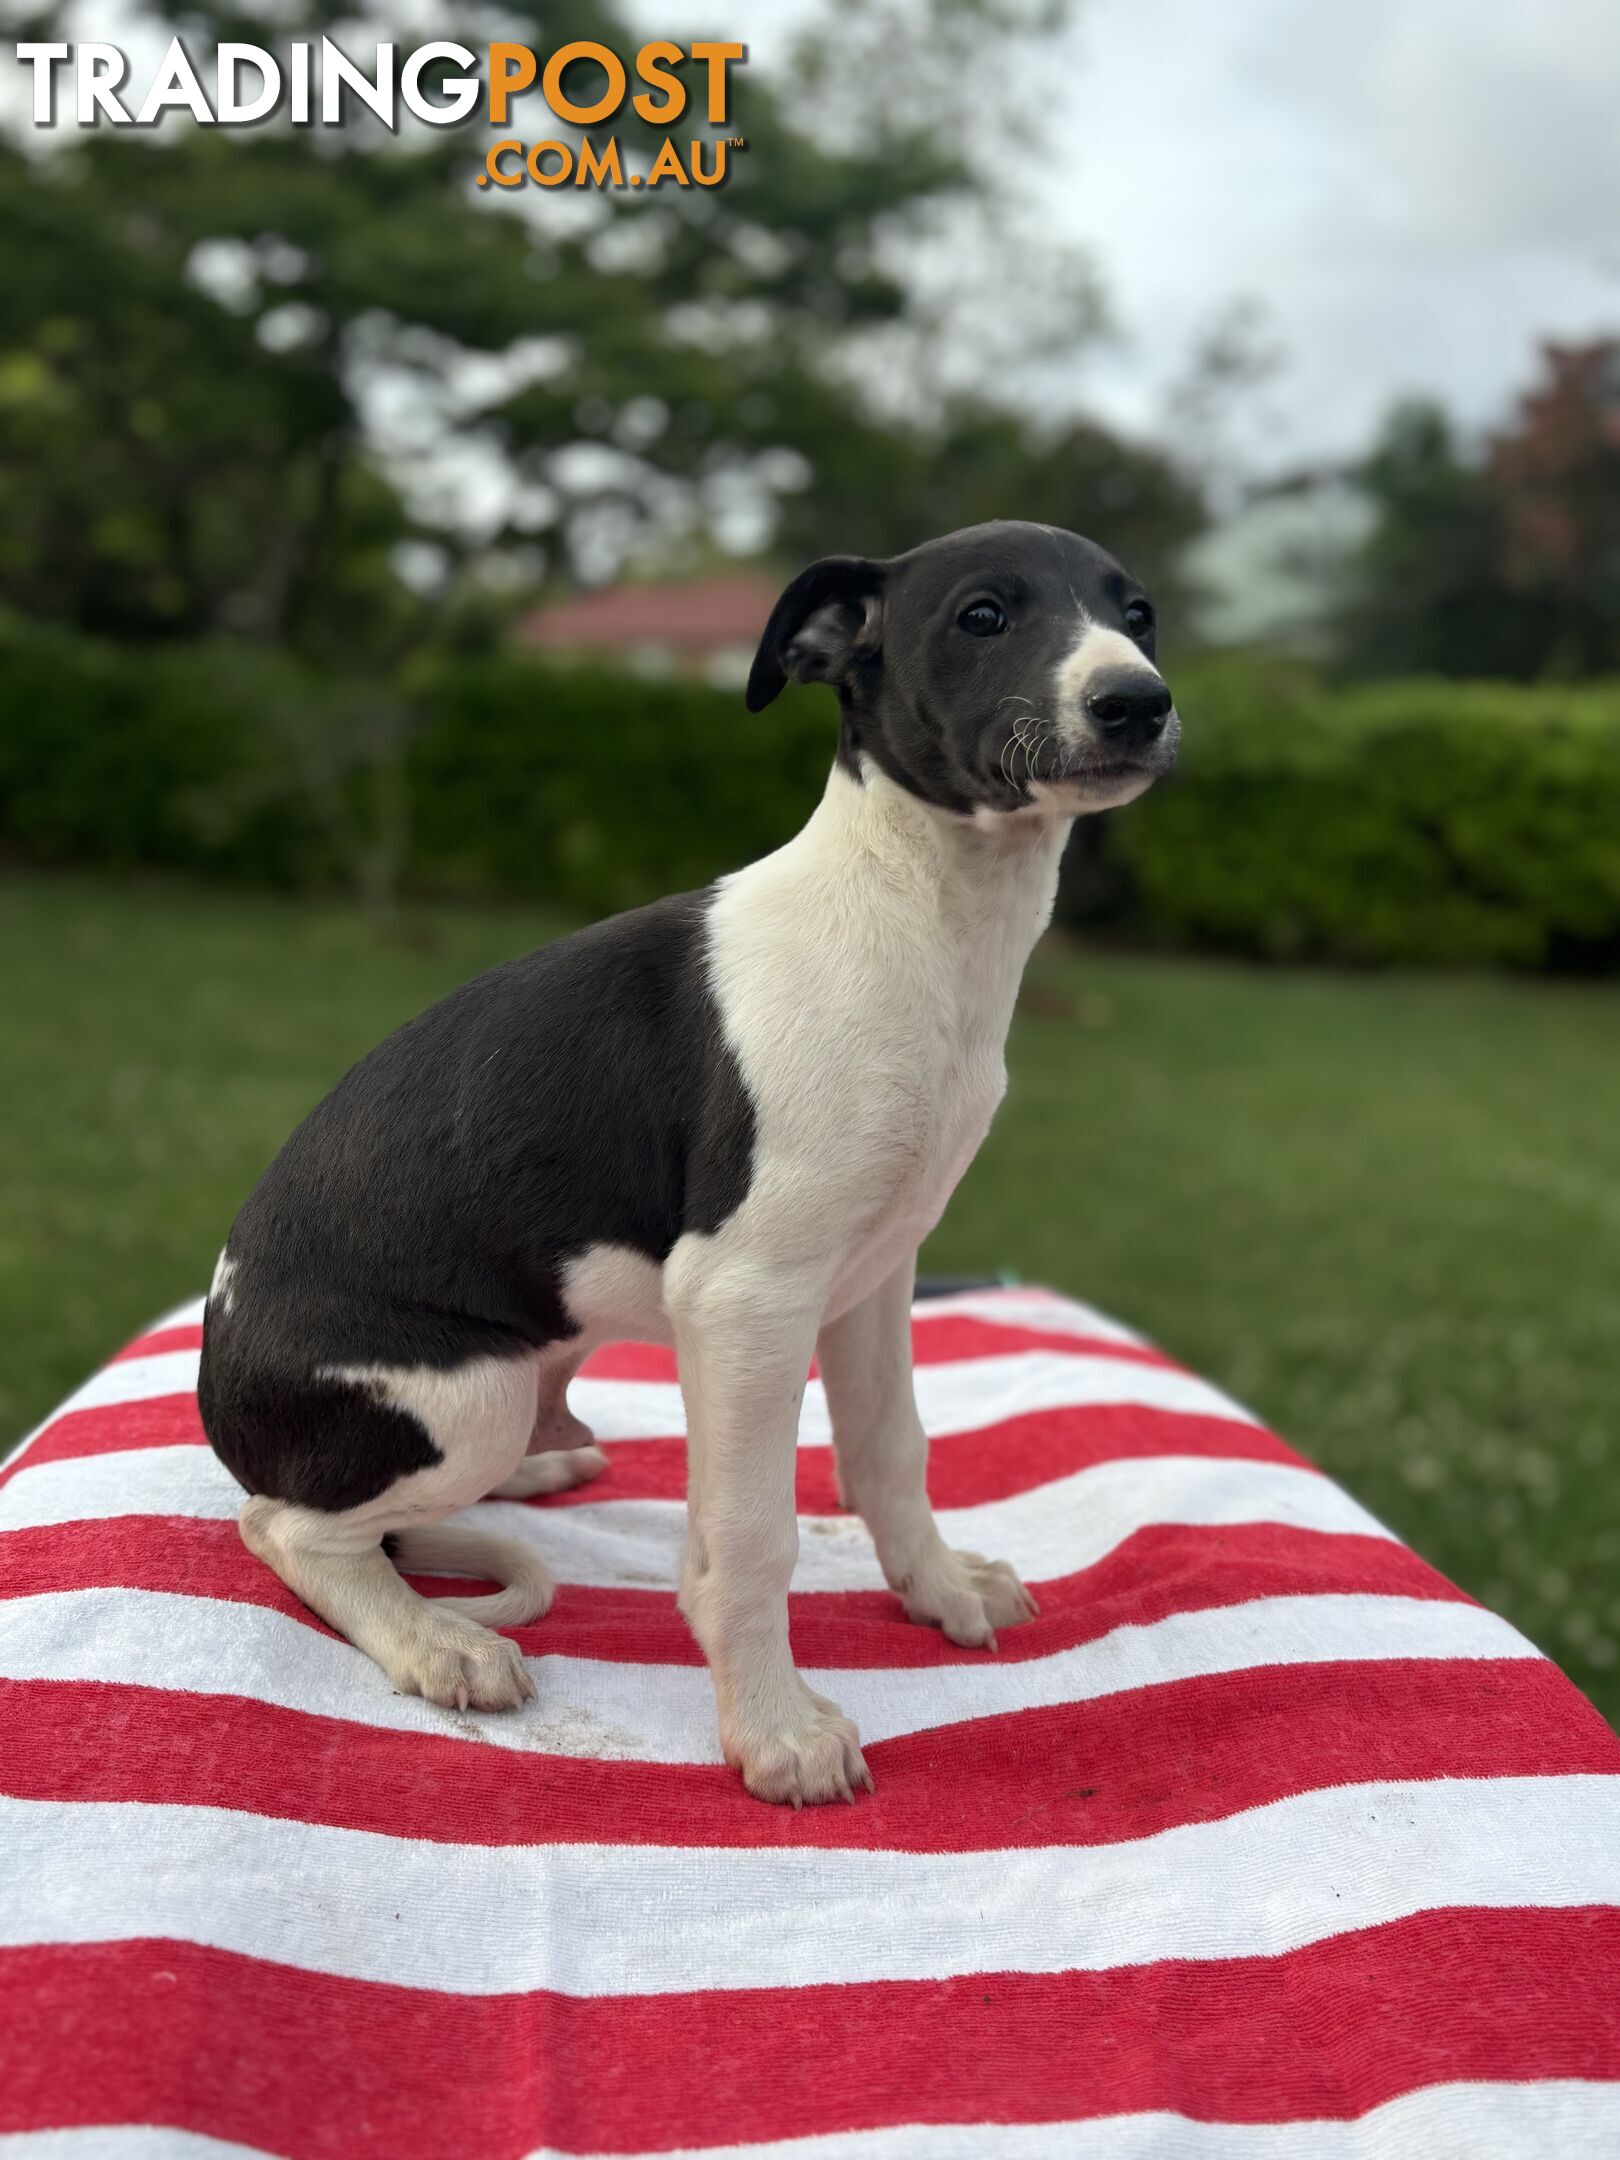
[(816, 625)]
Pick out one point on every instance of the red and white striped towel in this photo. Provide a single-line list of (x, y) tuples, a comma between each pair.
[(1262, 1840)]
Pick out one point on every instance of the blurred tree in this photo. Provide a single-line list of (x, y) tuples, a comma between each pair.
[(166, 466), (1500, 560), (1555, 480), (283, 382), (1234, 356), (884, 490), (1424, 597)]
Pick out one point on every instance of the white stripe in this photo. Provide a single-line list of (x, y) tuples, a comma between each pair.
[(1046, 1531), (1030, 1308), (482, 1919), (955, 1397), (665, 1713), (1570, 2117), (137, 2141), (960, 1396), (133, 1379)]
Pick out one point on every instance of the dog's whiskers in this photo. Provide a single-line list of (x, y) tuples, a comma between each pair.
[(1030, 733)]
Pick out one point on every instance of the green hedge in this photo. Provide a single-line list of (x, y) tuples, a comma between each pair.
[(601, 791), (115, 759), (1420, 822), (586, 788), (1405, 822)]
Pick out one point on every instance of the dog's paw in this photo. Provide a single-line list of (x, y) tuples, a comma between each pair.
[(967, 1597), (811, 1755), (554, 1470), (462, 1666)]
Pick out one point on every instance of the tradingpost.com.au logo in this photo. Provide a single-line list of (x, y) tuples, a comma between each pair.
[(583, 84)]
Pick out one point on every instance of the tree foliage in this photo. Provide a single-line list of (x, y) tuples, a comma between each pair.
[(240, 371), (1500, 559), (1555, 480)]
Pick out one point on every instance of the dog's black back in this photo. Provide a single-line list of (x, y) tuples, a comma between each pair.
[(423, 1212)]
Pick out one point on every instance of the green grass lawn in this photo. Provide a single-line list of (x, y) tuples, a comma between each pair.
[(1384, 1210)]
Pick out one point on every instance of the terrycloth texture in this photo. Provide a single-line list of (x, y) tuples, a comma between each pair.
[(1262, 1839)]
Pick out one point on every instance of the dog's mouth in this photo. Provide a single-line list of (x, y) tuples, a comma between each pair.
[(1092, 770), (1038, 762), (1105, 772)]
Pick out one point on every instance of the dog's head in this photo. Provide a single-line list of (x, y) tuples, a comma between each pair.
[(1007, 667)]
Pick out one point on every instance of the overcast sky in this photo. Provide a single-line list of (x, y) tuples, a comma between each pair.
[(1413, 191), (1416, 190)]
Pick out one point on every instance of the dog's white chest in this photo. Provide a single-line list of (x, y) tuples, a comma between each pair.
[(865, 978), (968, 1077), (910, 1190)]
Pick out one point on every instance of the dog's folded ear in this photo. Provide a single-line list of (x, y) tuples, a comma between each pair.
[(829, 613)]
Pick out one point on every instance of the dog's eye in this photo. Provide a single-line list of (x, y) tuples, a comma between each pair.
[(1139, 618), (983, 619)]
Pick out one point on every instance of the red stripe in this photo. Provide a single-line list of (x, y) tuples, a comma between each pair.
[(1079, 1773), (1163, 1569), (937, 1339), (988, 1462), (158, 1341), (114, 1429), (317, 2068), (948, 1338)]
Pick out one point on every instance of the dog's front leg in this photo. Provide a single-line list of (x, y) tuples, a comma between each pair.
[(744, 1352), (882, 1454)]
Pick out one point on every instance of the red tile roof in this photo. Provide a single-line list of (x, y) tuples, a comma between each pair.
[(690, 615)]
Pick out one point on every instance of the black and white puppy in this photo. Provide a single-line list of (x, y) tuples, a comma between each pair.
[(724, 1122)]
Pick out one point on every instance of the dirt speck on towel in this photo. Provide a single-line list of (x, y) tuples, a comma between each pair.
[(571, 1729)]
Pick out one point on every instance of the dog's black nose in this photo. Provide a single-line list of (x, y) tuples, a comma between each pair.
[(1130, 708)]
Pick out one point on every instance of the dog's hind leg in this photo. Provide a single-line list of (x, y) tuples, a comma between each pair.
[(426, 1646), (562, 1448), (477, 1417), (563, 1465)]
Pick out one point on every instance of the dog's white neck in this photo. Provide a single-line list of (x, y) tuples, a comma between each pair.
[(886, 939), (987, 885)]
